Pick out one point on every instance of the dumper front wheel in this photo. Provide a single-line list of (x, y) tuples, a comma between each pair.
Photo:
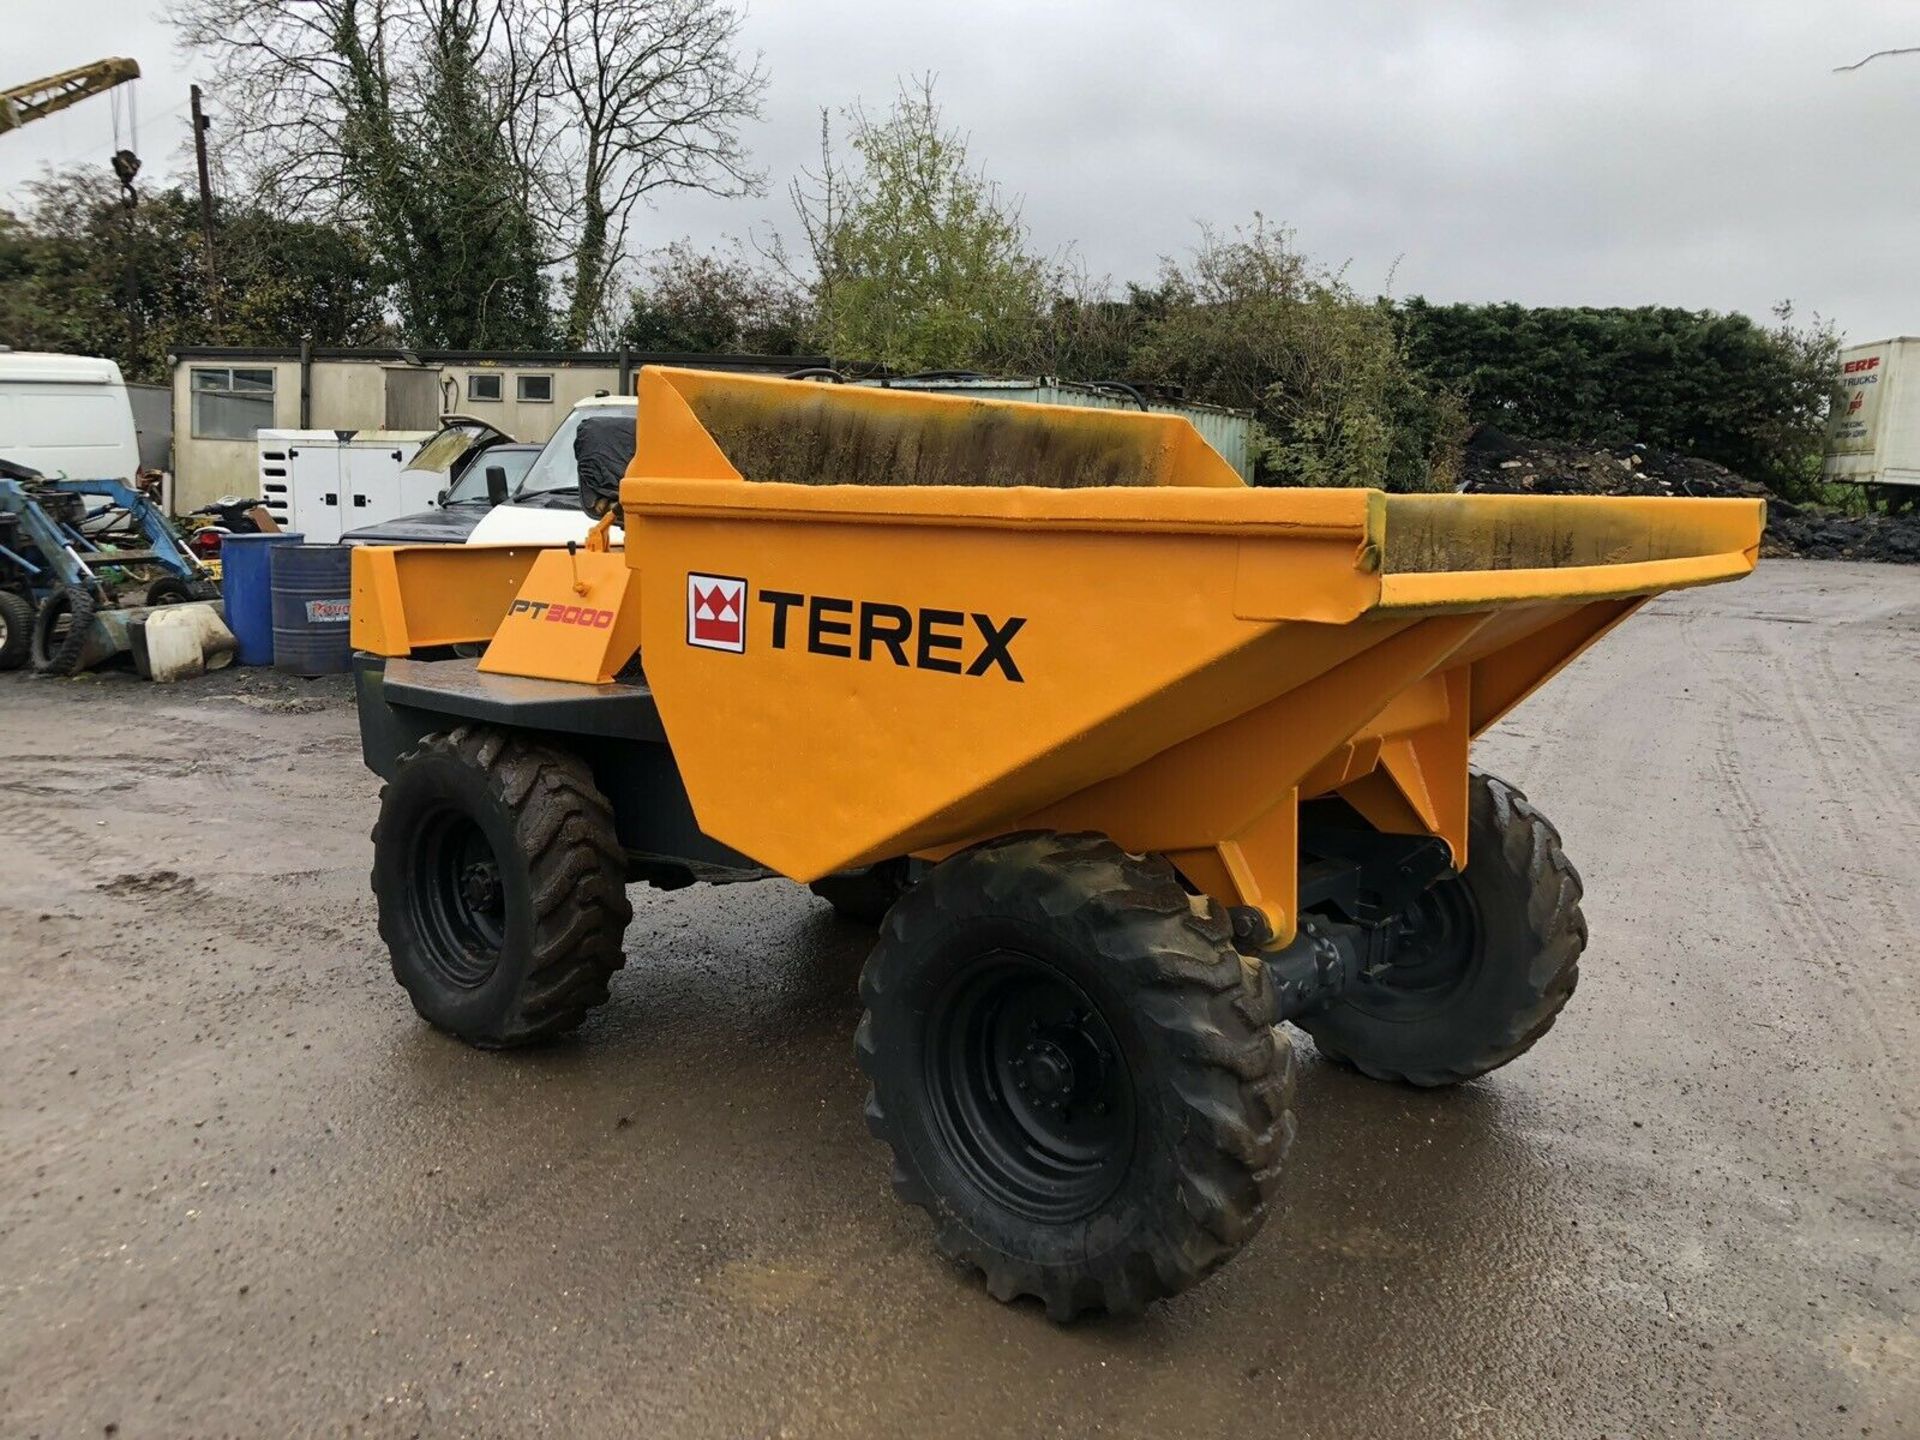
[(501, 886), (1483, 960), (1077, 1074)]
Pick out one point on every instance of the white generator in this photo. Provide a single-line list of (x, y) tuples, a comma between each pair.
[(323, 482)]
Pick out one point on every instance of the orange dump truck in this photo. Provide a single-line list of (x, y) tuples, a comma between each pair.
[(1127, 761)]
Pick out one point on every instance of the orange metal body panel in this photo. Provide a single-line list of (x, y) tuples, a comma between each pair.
[(407, 598), (573, 618)]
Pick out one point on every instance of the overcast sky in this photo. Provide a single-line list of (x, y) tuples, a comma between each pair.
[(1619, 153)]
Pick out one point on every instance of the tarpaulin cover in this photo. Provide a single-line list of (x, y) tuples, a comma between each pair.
[(601, 449)]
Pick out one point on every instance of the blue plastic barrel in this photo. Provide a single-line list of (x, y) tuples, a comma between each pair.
[(246, 585), (311, 586)]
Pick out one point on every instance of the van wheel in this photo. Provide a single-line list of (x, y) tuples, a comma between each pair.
[(501, 886)]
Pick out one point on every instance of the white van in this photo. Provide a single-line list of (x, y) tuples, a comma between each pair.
[(66, 416), (546, 508)]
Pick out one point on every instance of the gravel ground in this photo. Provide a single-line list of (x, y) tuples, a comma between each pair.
[(243, 1191)]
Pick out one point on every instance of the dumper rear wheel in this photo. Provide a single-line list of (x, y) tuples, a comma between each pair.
[(501, 886), (1483, 962), (1077, 1074)]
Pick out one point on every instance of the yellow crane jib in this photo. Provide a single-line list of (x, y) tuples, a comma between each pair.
[(39, 98)]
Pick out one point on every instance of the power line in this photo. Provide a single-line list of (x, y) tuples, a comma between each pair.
[(87, 150)]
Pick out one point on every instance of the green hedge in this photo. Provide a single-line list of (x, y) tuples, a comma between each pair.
[(1750, 396)]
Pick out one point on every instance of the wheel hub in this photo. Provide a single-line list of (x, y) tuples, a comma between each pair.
[(1045, 1069), (1434, 939), (1034, 1098), (458, 898), (1435, 952), (480, 886)]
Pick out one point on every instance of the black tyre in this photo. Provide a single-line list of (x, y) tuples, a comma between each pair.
[(1077, 1074), (1485, 961), (501, 886), (60, 631), (863, 897), (16, 630), (171, 590)]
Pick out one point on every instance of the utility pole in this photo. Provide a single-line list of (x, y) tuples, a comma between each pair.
[(200, 123)]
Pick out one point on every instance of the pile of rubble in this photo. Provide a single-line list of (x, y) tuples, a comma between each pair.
[(1498, 464), (1815, 533)]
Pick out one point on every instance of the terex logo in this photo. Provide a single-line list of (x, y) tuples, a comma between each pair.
[(563, 614), (954, 642), (717, 612), (1853, 367)]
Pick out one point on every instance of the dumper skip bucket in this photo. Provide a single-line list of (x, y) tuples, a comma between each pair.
[(879, 623)]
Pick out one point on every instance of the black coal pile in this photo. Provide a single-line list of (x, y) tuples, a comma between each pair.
[(1814, 533), (1499, 464)]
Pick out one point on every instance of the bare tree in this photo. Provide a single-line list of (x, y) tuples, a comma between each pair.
[(819, 199), (651, 95), (476, 137)]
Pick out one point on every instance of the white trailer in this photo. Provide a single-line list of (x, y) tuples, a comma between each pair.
[(1873, 433), (321, 482)]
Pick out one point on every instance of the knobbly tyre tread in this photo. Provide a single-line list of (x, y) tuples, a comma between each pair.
[(1529, 849), (16, 612), (564, 830), (1231, 1071), (64, 658)]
